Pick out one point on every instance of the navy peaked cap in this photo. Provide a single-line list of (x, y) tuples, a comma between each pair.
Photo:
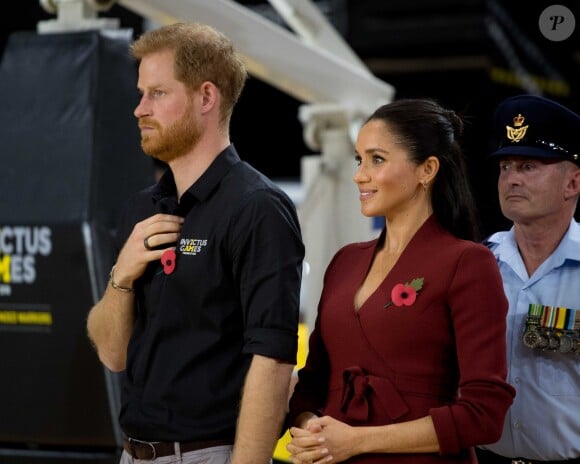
[(535, 127)]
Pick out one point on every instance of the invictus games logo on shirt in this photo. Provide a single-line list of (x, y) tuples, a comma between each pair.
[(191, 246)]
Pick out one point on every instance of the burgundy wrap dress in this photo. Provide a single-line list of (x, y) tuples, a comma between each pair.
[(444, 355)]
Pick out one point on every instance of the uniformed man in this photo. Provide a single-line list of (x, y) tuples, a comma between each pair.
[(537, 146)]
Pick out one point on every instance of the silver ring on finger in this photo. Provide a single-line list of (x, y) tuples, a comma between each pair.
[(146, 244)]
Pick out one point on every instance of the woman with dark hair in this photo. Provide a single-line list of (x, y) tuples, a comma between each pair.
[(406, 362)]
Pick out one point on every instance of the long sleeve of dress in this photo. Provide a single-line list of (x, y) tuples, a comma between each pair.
[(478, 309)]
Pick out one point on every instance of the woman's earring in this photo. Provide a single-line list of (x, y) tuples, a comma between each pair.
[(425, 185)]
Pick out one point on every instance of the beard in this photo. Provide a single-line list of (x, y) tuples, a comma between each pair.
[(171, 142)]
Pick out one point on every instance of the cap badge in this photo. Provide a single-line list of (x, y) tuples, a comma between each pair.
[(518, 132)]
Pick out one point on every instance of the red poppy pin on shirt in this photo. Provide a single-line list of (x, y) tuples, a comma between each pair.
[(405, 294), (168, 261)]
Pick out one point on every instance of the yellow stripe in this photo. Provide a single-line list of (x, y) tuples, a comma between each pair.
[(561, 317)]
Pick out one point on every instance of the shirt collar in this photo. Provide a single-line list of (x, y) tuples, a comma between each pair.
[(202, 187), (567, 249)]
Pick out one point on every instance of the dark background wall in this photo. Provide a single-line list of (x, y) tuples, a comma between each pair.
[(468, 54)]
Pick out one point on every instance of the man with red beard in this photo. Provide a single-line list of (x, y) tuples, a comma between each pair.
[(201, 311)]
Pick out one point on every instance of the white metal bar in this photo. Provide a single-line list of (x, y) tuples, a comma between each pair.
[(275, 55), (310, 23)]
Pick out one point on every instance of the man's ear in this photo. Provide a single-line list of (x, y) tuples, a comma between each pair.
[(572, 188), (209, 96)]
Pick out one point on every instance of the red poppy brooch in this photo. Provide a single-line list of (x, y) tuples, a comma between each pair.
[(405, 294), (168, 261)]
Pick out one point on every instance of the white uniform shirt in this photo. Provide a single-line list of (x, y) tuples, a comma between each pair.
[(543, 423)]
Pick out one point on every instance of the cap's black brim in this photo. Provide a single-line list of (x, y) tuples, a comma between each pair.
[(527, 151)]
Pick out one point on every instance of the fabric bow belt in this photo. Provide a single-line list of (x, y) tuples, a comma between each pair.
[(150, 450), (356, 388)]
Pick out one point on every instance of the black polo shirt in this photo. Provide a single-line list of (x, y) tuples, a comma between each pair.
[(234, 292)]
